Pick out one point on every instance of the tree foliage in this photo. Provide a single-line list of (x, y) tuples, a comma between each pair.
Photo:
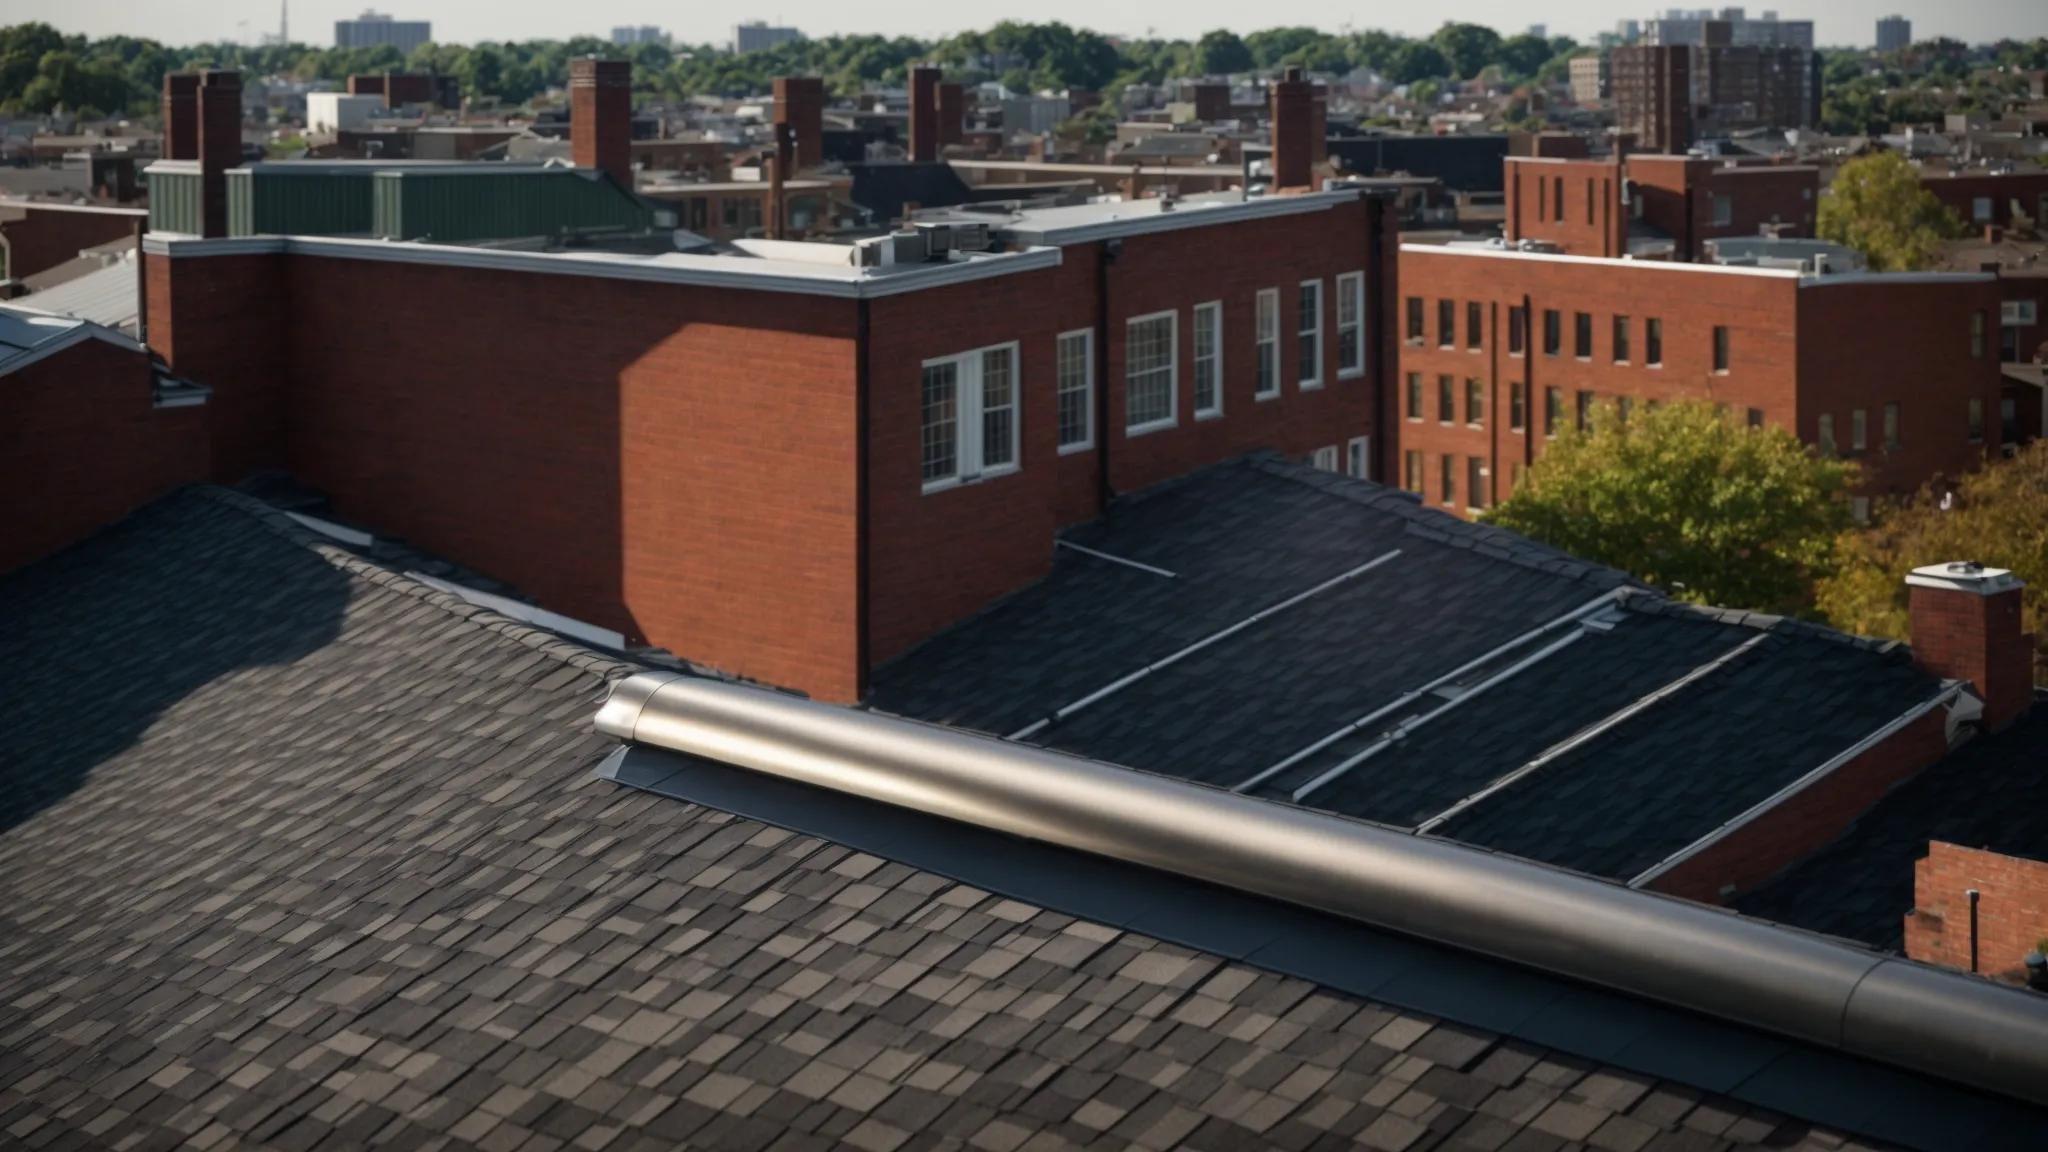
[(1221, 53), (1469, 48), (1877, 206), (1998, 516), (1685, 498)]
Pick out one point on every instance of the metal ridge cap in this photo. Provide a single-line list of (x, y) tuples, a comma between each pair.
[(1664, 949)]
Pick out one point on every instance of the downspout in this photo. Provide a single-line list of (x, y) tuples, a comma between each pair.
[(1531, 413), (1375, 293), (1104, 257), (141, 286), (862, 523)]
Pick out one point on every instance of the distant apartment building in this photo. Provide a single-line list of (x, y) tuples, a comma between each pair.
[(1894, 33), (1671, 95), (1695, 27), (628, 35), (1590, 78), (757, 36), (1651, 86), (375, 29)]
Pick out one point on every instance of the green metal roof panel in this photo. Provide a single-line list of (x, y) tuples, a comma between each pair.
[(174, 202), (456, 206), (279, 201)]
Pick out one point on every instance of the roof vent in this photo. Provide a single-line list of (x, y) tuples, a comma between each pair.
[(906, 247)]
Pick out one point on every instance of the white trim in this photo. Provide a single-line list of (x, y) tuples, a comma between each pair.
[(1357, 370), (1142, 567), (1087, 442), (1215, 307), (1262, 347), (53, 206), (528, 614), (1310, 383), (1362, 447), (1185, 214), (818, 279), (1172, 417), (1795, 787), (1605, 262), (1895, 278), (969, 451)]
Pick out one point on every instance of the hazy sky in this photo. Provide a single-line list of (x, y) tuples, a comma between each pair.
[(312, 21)]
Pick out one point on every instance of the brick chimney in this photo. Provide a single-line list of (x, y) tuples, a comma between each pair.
[(800, 103), (220, 145), (601, 116), (1293, 115), (924, 113), (1965, 621), (181, 115), (952, 113)]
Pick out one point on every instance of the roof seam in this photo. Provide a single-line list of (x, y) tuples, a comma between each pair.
[(548, 644)]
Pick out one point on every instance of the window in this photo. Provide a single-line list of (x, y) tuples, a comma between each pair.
[(1325, 459), (1653, 342), (1553, 409), (1209, 359), (1623, 405), (1557, 195), (1411, 471), (1976, 420), (1076, 364), (699, 215), (1446, 401), (1542, 199), (1358, 457), (1267, 318), (1151, 372), (1448, 473), (1977, 333), (1859, 509), (1553, 332), (1475, 403), (1308, 357), (2018, 313), (1475, 482), (1859, 433), (1582, 335), (1475, 319), (1415, 319), (1756, 417), (970, 416), (1415, 395), (1590, 199), (1351, 324), (1826, 437), (1446, 323), (1517, 402), (1980, 210), (1584, 414), (1720, 348), (1518, 321), (1621, 339), (1724, 209), (1891, 426)]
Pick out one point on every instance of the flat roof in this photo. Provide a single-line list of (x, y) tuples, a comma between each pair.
[(1078, 223)]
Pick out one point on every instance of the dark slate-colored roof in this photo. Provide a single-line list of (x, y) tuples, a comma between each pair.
[(1366, 649), (1987, 794), (296, 852)]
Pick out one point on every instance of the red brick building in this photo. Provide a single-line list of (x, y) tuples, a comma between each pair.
[(1501, 350), (1991, 198), (35, 237), (1994, 932), (1654, 206)]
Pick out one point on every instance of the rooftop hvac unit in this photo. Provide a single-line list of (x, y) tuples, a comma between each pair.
[(970, 237), (906, 247)]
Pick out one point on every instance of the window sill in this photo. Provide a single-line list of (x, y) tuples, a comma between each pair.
[(1476, 425), (1262, 397), (935, 486), (1657, 367), (1136, 430), (1351, 373), (1077, 449), (1212, 414), (1310, 385), (1621, 363)]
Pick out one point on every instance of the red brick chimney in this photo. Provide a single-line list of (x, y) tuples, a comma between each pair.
[(1965, 620), (800, 103), (601, 116), (1293, 115), (220, 145), (952, 113), (924, 113), (181, 115)]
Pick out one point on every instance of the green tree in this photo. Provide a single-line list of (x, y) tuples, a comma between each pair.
[(1417, 60), (1997, 516), (1876, 206), (1221, 53), (1523, 55), (1468, 47), (1685, 498)]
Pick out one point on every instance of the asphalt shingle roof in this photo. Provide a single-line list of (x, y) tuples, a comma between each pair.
[(296, 853)]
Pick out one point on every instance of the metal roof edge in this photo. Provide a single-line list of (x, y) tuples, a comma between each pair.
[(1599, 261), (1256, 208), (55, 206), (1807, 281), (82, 331)]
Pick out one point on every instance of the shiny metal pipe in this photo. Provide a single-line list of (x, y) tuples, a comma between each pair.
[(1661, 948)]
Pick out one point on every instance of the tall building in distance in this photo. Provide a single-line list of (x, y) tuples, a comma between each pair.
[(757, 36), (1690, 26), (627, 35), (1651, 86), (1893, 33), (1767, 77), (372, 29)]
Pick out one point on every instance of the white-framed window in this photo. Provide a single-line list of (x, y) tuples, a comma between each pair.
[(1358, 457), (970, 416), (1209, 359), (2017, 313), (1724, 209), (1267, 311), (1325, 459), (1076, 363), (1350, 324), (1309, 335), (1980, 210), (1151, 372)]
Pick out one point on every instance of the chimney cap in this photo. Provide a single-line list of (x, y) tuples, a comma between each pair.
[(1964, 576)]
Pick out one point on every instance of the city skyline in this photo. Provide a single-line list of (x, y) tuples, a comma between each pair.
[(1838, 23)]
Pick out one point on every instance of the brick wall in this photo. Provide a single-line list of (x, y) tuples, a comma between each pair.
[(83, 445), (2012, 909), (38, 238), (1808, 820), (1677, 196), (1963, 635), (221, 321), (1961, 193), (1575, 204)]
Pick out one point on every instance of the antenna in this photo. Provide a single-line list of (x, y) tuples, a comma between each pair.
[(284, 22)]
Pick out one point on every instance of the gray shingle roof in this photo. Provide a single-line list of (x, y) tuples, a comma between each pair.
[(295, 852)]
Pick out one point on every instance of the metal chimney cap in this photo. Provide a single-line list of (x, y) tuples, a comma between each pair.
[(1964, 576)]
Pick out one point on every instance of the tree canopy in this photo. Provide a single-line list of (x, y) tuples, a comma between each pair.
[(1997, 516), (1683, 497), (1877, 206)]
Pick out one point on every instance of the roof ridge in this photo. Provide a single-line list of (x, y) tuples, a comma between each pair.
[(1649, 601), (549, 644), (1443, 528)]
